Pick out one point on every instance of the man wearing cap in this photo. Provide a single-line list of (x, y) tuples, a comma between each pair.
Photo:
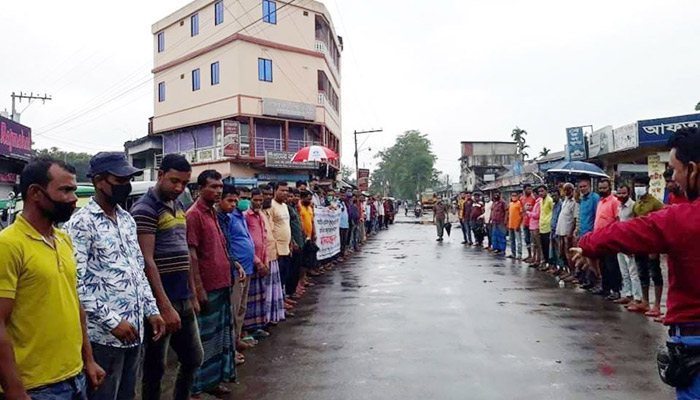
[(112, 285)]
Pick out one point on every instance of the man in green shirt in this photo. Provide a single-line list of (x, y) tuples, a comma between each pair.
[(649, 266)]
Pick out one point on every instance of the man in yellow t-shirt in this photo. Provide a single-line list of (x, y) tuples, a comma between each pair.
[(43, 339)]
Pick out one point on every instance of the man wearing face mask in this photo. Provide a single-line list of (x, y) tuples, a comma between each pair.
[(241, 250), (673, 231), (43, 328), (116, 303)]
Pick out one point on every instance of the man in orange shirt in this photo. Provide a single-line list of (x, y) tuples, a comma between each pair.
[(515, 220), (306, 215)]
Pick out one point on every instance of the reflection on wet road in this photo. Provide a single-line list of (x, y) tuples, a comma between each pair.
[(409, 318)]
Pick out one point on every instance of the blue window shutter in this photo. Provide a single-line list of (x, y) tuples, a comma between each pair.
[(194, 25), (219, 12), (266, 10), (273, 12), (161, 92), (261, 69), (195, 80), (161, 42), (268, 70), (215, 73)]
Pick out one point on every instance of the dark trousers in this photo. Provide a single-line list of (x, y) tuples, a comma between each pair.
[(489, 232), (122, 366), (285, 264), (294, 273), (544, 239), (479, 232), (466, 230), (649, 267), (344, 236), (610, 273), (188, 348)]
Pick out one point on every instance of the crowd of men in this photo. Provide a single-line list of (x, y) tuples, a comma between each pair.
[(611, 243), (545, 223), (89, 310)]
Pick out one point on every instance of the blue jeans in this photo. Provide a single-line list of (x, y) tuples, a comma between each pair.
[(74, 388), (122, 366), (516, 244)]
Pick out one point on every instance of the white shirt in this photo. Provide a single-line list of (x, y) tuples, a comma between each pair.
[(487, 212), (380, 208)]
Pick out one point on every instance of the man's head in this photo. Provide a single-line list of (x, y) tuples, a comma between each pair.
[(555, 195), (623, 193), (293, 196), (48, 186), (604, 187), (527, 188), (330, 195), (468, 196), (476, 196), (281, 191), (496, 195), (210, 186), (268, 192), (569, 190), (584, 185), (641, 186), (513, 197), (671, 185), (244, 199), (463, 195), (111, 176), (257, 199), (313, 183), (173, 176), (229, 199), (306, 198), (301, 186), (542, 191), (685, 160)]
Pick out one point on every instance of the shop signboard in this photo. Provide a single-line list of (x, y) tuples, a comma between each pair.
[(576, 143), (15, 140), (232, 137), (657, 183), (625, 137), (600, 141), (283, 160), (281, 177), (656, 132), (288, 109), (363, 179)]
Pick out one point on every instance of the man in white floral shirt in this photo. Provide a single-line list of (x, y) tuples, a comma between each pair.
[(112, 285)]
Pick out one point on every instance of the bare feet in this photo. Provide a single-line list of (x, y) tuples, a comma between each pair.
[(641, 307)]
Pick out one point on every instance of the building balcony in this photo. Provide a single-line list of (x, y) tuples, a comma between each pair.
[(271, 144), (323, 101), (321, 47)]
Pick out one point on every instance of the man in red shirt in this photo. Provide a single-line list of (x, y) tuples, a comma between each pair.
[(211, 268), (675, 194), (528, 202), (607, 267), (673, 231)]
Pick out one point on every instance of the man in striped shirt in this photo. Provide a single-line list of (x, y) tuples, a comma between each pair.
[(162, 235)]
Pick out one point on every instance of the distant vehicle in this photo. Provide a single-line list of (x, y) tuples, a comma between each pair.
[(428, 199)]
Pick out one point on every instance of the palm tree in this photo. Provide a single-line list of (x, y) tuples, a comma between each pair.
[(697, 107), (545, 152), (518, 136)]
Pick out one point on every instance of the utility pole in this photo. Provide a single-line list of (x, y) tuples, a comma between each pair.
[(30, 97), (357, 163)]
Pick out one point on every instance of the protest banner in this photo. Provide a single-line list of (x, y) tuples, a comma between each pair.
[(327, 229)]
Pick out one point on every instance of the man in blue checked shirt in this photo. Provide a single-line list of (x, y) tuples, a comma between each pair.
[(112, 285)]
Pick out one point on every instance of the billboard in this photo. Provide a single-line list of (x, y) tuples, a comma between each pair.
[(576, 143), (363, 179), (625, 137), (15, 140), (283, 160), (600, 142), (232, 137), (656, 132)]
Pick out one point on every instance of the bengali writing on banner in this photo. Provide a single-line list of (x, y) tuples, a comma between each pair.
[(327, 229)]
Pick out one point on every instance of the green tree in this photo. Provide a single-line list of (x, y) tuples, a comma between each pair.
[(81, 161), (518, 136), (545, 152), (406, 168), (697, 107), (348, 174)]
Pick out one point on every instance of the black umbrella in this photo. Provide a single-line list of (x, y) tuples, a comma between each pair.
[(448, 227)]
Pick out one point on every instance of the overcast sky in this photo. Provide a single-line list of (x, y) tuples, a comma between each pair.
[(456, 70)]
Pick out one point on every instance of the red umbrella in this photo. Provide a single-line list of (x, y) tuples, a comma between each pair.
[(314, 153)]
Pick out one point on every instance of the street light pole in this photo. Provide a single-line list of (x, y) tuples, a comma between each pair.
[(357, 162)]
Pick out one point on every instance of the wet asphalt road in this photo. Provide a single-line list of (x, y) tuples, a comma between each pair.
[(410, 318)]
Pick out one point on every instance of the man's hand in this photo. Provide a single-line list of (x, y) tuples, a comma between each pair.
[(577, 257), (171, 318), (241, 271), (202, 297), (18, 395), (158, 326), (195, 306), (126, 332), (95, 374)]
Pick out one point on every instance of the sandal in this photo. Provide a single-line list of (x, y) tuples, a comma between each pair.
[(219, 390)]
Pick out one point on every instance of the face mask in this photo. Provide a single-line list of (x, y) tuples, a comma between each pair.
[(61, 211), (243, 205), (120, 193), (640, 191), (330, 198)]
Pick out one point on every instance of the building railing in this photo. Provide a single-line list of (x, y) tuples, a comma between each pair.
[(272, 144), (323, 101), (321, 47)]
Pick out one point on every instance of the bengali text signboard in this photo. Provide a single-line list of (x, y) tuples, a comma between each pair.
[(656, 132), (625, 137), (283, 160), (363, 179), (327, 229), (657, 183), (15, 140), (576, 143), (232, 137)]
